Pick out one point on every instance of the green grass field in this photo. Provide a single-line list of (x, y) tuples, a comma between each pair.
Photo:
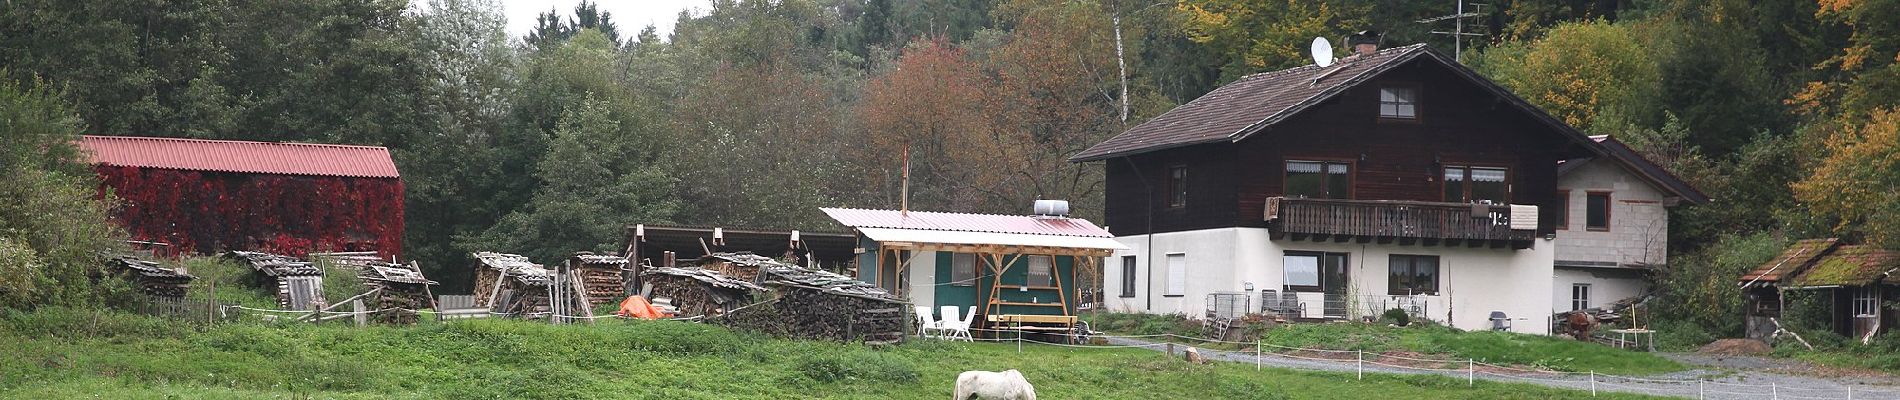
[(63, 353), (1428, 339)]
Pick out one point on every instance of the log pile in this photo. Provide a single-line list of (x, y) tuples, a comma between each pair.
[(151, 278), (819, 305), (699, 291), (743, 265), (397, 289), (603, 277), (510, 284), (298, 285)]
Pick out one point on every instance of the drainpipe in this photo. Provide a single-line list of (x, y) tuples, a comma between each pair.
[(1149, 257)]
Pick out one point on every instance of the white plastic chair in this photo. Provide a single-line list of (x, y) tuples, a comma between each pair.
[(958, 328), (925, 323)]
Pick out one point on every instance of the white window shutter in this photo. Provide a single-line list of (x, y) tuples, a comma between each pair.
[(1177, 274)]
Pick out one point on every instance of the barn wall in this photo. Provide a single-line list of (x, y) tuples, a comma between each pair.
[(206, 212)]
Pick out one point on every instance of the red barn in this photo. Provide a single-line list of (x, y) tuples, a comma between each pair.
[(206, 196)]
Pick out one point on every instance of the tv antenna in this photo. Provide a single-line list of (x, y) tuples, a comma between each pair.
[(1457, 33), (1322, 52)]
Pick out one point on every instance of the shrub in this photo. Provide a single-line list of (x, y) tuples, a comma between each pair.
[(1396, 317)]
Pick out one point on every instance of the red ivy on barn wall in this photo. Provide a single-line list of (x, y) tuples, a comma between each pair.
[(285, 214)]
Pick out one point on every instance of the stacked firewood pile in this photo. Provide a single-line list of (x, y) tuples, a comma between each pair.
[(151, 278), (602, 276), (510, 284), (821, 305), (397, 290), (298, 285), (743, 265), (698, 291)]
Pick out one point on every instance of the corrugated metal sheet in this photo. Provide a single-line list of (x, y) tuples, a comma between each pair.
[(1007, 239), (241, 157), (939, 221)]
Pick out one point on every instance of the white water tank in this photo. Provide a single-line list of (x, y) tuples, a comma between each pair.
[(1052, 208)]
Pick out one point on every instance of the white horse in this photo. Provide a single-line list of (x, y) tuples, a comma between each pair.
[(986, 385)]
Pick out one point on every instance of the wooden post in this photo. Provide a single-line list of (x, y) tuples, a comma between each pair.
[(1170, 351), (1361, 365), (356, 306), (1256, 355), (211, 304), (1471, 372), (1593, 383)]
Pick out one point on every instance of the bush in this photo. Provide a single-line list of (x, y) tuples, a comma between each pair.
[(80, 323), (1396, 317)]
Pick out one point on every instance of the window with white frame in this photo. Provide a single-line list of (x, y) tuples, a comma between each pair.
[(963, 269), (1579, 296), (1398, 102), (1865, 303), (1177, 275)]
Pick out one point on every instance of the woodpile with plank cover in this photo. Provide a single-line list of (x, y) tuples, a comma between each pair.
[(603, 276), (511, 285), (298, 285), (152, 279), (699, 291), (816, 304), (396, 290)]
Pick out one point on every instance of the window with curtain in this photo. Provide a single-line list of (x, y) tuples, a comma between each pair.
[(1465, 184), (1318, 179), (1177, 275), (963, 269), (1398, 102), (1041, 269), (1413, 275)]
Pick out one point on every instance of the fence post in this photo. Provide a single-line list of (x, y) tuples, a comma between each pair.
[(1698, 390), (1471, 372), (360, 318), (1256, 357), (1850, 393), (1774, 390), (1019, 340), (1593, 383), (1170, 349), (1361, 365), (211, 304)]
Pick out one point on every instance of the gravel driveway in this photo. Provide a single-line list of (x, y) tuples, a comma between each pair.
[(1714, 377)]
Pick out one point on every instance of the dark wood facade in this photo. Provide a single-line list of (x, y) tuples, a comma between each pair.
[(1459, 123)]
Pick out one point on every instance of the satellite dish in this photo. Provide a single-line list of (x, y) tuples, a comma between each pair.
[(1322, 52)]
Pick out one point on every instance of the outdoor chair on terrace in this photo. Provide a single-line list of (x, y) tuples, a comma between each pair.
[(958, 328), (925, 323)]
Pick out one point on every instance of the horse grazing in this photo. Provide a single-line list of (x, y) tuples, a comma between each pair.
[(986, 385)]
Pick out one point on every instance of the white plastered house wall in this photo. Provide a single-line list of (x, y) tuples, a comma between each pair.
[(1473, 282), (1608, 261)]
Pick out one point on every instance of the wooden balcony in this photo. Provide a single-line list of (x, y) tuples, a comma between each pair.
[(1404, 222)]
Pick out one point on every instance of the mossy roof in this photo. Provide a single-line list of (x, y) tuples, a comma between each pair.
[(1849, 266), (1791, 261)]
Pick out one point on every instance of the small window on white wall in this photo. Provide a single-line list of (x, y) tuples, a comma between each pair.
[(1579, 296), (1128, 276), (1177, 275)]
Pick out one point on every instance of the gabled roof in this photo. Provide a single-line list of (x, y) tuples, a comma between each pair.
[(1849, 266), (960, 222), (240, 156), (1791, 261), (1642, 167), (1238, 110)]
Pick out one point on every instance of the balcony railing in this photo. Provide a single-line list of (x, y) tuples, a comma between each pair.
[(1407, 222)]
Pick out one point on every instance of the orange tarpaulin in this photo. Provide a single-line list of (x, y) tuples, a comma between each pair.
[(638, 307)]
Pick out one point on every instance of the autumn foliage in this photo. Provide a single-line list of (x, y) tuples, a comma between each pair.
[(210, 211)]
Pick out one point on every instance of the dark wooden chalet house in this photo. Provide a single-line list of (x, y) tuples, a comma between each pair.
[(1393, 178)]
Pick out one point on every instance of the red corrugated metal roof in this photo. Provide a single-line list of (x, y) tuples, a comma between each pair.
[(862, 218), (241, 157)]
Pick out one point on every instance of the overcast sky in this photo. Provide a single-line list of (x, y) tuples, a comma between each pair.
[(629, 15)]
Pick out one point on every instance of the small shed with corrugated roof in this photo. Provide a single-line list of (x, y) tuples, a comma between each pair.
[(1011, 268)]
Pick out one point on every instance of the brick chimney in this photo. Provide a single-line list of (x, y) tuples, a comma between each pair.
[(1364, 42)]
